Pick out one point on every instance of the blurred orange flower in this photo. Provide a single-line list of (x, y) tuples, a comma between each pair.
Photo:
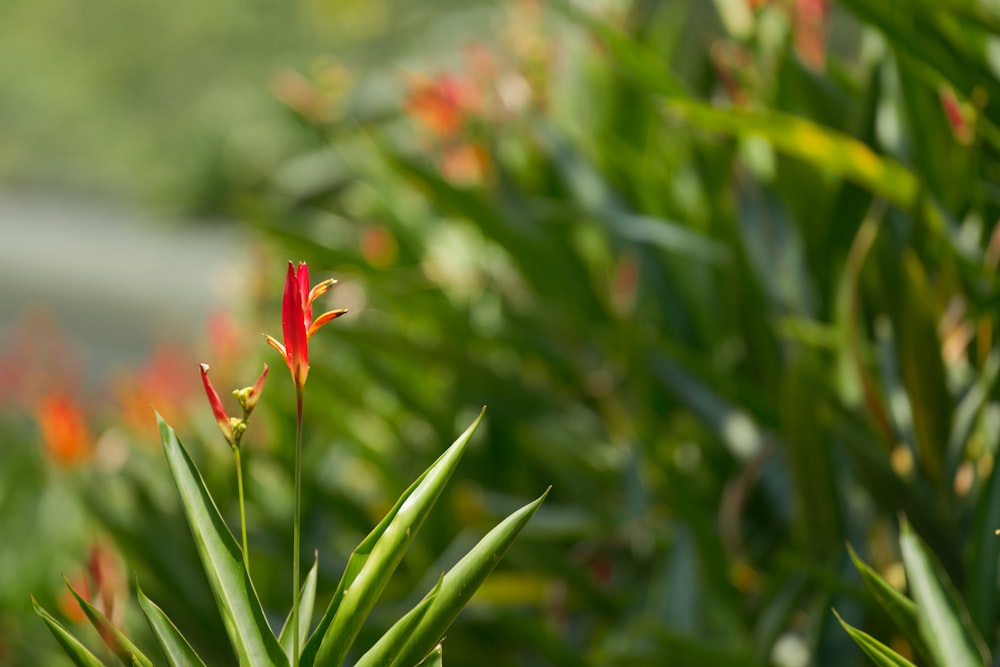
[(441, 104), (465, 164), (64, 430), (810, 32)]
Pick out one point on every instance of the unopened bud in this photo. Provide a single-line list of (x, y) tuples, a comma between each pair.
[(248, 396)]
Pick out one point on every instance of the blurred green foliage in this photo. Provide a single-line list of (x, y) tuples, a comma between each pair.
[(167, 102), (725, 275)]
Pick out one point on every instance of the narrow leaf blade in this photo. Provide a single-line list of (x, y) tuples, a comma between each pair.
[(460, 583), (114, 638), (938, 615), (242, 613), (307, 599), (76, 651), (900, 608), (376, 558), (175, 647), (880, 654), (391, 642)]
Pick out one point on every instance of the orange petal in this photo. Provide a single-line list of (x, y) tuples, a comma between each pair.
[(321, 289), (323, 319)]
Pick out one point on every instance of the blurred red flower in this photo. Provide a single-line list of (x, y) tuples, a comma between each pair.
[(442, 103), (64, 430)]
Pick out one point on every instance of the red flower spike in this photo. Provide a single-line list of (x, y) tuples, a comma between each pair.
[(221, 418), (297, 322)]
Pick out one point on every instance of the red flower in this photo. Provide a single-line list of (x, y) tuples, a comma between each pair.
[(64, 429), (297, 323), (232, 428)]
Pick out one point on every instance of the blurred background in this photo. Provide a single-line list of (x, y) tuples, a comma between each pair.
[(724, 274)]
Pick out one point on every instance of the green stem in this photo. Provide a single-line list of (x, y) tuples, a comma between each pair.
[(295, 526), (243, 514)]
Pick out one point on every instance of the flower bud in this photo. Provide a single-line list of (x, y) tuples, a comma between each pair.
[(248, 396)]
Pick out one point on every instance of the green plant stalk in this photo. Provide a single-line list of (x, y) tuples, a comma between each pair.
[(295, 526), (243, 514)]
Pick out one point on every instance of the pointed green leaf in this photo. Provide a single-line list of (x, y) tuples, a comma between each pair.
[(459, 584), (900, 608), (939, 614), (77, 652), (220, 554), (376, 558), (175, 647), (114, 638), (880, 654), (307, 599), (435, 659)]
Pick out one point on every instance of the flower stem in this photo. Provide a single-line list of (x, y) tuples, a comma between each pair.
[(243, 514), (295, 526)]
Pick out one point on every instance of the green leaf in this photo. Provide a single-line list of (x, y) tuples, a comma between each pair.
[(435, 659), (114, 638), (307, 599), (923, 372), (900, 608), (981, 585), (939, 614), (77, 652), (598, 199), (220, 554), (391, 642), (638, 61), (376, 558), (176, 648), (880, 654), (822, 147), (455, 590), (817, 512)]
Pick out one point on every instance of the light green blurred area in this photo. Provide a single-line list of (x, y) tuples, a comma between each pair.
[(145, 99)]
